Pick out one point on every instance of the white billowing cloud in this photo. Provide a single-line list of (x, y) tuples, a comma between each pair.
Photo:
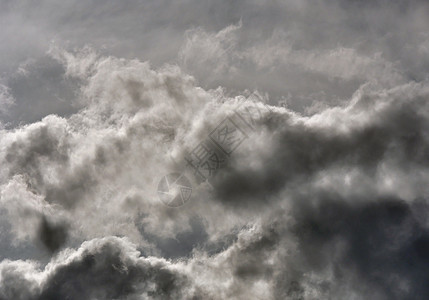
[(94, 174), (99, 168), (329, 204), (80, 64), (23, 207), (103, 163)]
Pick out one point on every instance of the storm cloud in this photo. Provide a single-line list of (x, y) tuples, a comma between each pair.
[(322, 195)]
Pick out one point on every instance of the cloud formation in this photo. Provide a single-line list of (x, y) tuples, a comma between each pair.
[(101, 268), (325, 197)]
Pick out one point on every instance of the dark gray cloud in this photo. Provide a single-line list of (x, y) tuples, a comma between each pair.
[(107, 268), (109, 273), (326, 198), (52, 235), (377, 248), (296, 152)]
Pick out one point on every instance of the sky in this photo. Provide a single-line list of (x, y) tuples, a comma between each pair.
[(200, 149)]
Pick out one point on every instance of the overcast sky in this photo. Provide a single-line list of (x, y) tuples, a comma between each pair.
[(298, 129)]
